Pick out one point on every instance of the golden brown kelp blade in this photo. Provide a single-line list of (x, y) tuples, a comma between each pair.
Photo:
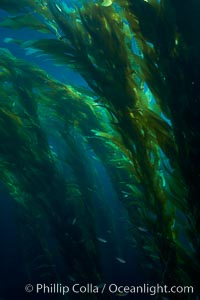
[(58, 48)]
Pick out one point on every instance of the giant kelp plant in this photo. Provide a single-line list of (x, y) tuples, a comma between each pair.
[(140, 120)]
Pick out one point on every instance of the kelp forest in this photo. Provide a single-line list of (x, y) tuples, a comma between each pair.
[(100, 180)]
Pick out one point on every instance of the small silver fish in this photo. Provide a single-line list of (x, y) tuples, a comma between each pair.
[(121, 260), (89, 189), (71, 278), (142, 229), (74, 221), (101, 240), (126, 196), (58, 7)]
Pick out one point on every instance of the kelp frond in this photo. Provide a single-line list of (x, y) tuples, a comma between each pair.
[(120, 49)]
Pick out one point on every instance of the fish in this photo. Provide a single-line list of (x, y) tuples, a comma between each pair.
[(102, 240), (58, 8), (89, 189), (125, 196), (71, 278), (121, 260), (106, 3), (95, 157), (142, 229), (74, 221)]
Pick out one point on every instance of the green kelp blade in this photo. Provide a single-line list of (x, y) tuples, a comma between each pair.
[(114, 141), (136, 191), (60, 50), (163, 132)]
